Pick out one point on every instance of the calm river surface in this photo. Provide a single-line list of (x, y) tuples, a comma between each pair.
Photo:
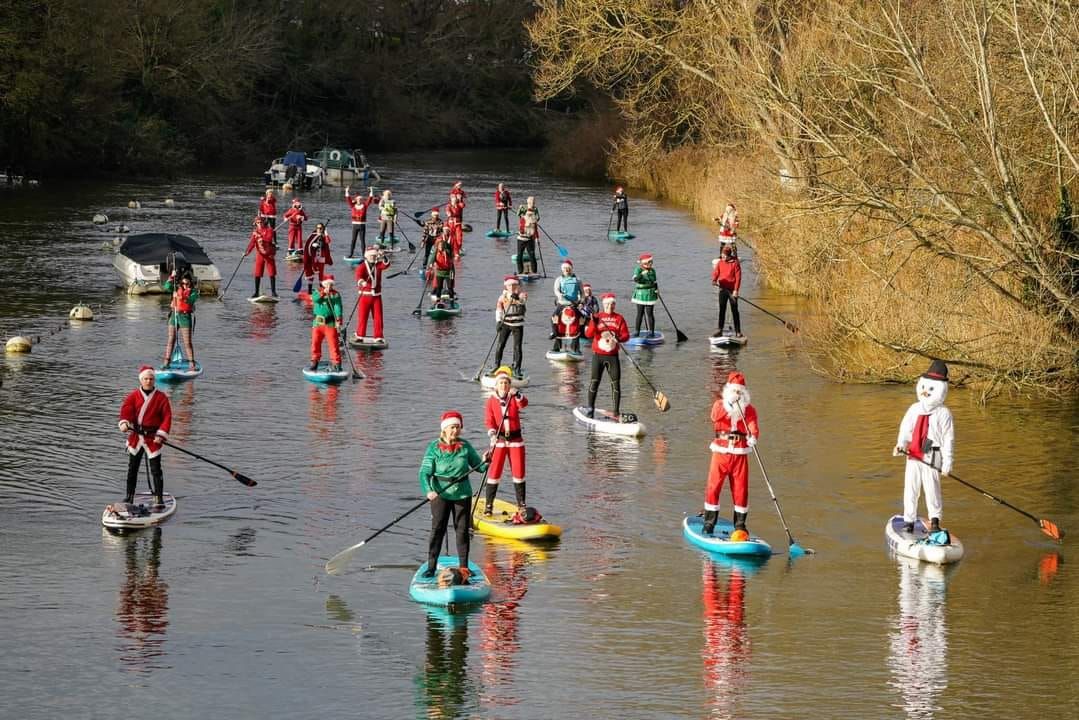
[(225, 610)]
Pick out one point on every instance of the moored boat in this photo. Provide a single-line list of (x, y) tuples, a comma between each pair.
[(144, 262)]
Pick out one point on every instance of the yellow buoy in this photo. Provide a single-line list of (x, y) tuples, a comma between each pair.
[(287, 187), (134, 204), (18, 344), (81, 312)]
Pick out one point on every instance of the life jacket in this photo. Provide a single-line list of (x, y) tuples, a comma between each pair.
[(388, 209), (181, 300), (514, 312), (444, 256), (571, 287)]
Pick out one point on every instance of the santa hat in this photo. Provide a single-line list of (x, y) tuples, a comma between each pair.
[(567, 263), (451, 417), (458, 184), (328, 280), (586, 286), (736, 379), (618, 189), (607, 298), (937, 371), (373, 250), (511, 280), (295, 202), (503, 371), (644, 257), (146, 369)]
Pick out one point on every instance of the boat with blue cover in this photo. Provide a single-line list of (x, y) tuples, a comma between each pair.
[(429, 591), (719, 541)]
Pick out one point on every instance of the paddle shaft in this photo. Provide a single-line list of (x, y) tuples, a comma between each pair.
[(681, 336), (483, 482), (341, 340), (411, 245), (238, 476), (634, 362), (487, 357), (610, 219), (416, 215), (231, 277), (789, 325), (563, 252), (423, 294)]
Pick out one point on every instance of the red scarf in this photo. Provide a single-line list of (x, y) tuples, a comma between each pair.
[(917, 438)]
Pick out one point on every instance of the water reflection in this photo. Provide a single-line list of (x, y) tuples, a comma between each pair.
[(918, 654), (506, 566), (726, 649), (262, 322), (143, 604), (445, 688)]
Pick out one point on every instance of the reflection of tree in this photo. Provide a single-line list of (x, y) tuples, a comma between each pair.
[(142, 610), (918, 656), (725, 654), (447, 688)]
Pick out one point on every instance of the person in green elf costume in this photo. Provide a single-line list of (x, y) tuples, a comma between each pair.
[(645, 294), (185, 292)]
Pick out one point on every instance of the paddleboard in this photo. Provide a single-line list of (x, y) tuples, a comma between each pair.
[(646, 338), (177, 371), (368, 343), (137, 515), (497, 234), (263, 299), (324, 376), (426, 590), (605, 422), (444, 312), (913, 545), (524, 276), (501, 524), (621, 236), (488, 381), (564, 356), (719, 541), (727, 340), (354, 260), (294, 257)]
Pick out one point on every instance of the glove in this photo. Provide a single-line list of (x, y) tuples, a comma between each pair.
[(751, 441), (517, 394)]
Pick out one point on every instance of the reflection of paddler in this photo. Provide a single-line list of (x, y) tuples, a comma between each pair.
[(918, 642), (143, 605), (725, 653), (445, 679), (500, 622)]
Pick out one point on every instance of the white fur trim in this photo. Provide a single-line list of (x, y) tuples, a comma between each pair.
[(711, 508), (739, 508), (151, 371), (714, 447), (451, 421)]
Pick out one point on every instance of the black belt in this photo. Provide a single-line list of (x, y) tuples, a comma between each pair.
[(732, 435)]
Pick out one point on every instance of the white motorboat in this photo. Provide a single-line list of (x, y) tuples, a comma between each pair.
[(295, 167), (145, 261), (345, 167)]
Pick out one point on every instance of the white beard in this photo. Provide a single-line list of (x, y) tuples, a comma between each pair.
[(931, 394), (732, 398)]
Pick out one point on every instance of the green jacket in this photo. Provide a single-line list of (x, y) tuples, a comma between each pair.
[(327, 309), (645, 292), (177, 318), (441, 467)]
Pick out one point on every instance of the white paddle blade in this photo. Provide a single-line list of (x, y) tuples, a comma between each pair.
[(336, 564), (662, 402)]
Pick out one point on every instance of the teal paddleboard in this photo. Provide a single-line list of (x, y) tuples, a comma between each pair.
[(427, 590), (719, 541), (443, 312)]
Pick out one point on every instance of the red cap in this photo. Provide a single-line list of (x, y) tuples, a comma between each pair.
[(608, 296), (511, 279), (586, 285), (736, 378), (451, 417), (644, 256), (618, 189), (296, 202), (567, 261), (328, 280)]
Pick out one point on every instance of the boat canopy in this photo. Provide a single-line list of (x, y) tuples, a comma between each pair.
[(295, 157), (336, 159), (154, 249)]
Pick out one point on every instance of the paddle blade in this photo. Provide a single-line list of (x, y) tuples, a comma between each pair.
[(662, 402), (243, 479), (797, 550), (296, 285), (1050, 528), (682, 337), (336, 564), (792, 327)]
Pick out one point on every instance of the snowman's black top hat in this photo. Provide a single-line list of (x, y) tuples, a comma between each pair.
[(937, 371)]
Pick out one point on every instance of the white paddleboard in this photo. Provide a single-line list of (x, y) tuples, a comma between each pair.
[(368, 343), (488, 381), (913, 545), (605, 422), (263, 299), (727, 340), (564, 356), (137, 515)]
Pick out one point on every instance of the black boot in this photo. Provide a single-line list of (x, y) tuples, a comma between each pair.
[(273, 286), (432, 565), (489, 499), (710, 517), (740, 520), (557, 346), (519, 491), (934, 525), (908, 527), (258, 281)]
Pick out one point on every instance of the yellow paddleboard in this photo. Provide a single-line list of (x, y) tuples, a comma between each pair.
[(501, 525)]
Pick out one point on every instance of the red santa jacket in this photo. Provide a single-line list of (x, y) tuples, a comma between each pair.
[(731, 435), (369, 277), (268, 207), (359, 212), (320, 255), (728, 273), (568, 322), (146, 413), (262, 240), (460, 195), (602, 322), (295, 215), (503, 200), (455, 212), (496, 408)]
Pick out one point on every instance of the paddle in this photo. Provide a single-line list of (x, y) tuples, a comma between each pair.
[(426, 281), (660, 399), (795, 549), (411, 246), (407, 269), (337, 563), (1047, 526), (231, 277), (543, 266), (479, 371), (679, 334), (562, 252), (240, 477), (417, 215), (610, 220), (789, 325), (483, 482)]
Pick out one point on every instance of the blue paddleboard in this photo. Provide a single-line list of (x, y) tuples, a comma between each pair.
[(324, 376), (646, 338), (426, 590), (718, 541)]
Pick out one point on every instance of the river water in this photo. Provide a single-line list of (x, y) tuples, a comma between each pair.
[(225, 610)]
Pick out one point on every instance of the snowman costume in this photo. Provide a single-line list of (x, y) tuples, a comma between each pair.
[(926, 436)]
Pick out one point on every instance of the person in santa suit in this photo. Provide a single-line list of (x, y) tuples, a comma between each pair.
[(264, 243), (316, 255), (455, 222), (734, 420), (510, 317), (182, 316), (326, 306), (527, 234), (268, 209), (503, 203), (502, 417), (458, 195), (589, 304), (645, 293), (432, 229), (357, 205), (607, 330), (621, 207), (295, 217), (566, 321), (369, 283), (443, 266), (728, 224), (727, 276), (444, 473), (146, 417), (926, 437)]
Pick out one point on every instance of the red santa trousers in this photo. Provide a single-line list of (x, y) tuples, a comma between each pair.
[(735, 467), (266, 265), (370, 305), (329, 333), (295, 236), (516, 453)]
